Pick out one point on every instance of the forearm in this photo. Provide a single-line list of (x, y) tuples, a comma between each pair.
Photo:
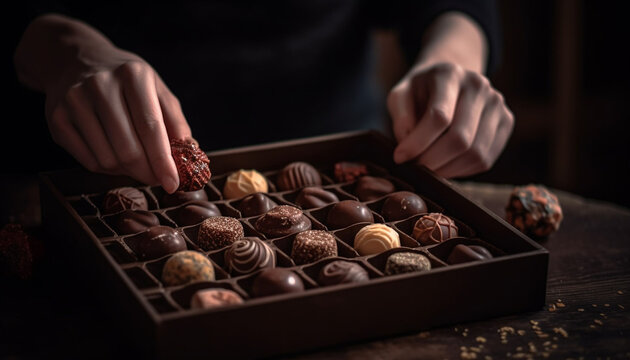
[(455, 38)]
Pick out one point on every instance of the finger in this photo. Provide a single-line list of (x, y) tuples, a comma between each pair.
[(460, 135), (402, 109), (174, 119), (67, 136), (144, 107), (437, 116)]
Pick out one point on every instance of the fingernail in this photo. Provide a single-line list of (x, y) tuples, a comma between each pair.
[(170, 184)]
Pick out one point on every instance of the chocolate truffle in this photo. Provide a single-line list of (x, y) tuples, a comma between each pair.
[(244, 182), (195, 212), (133, 221), (375, 238), (255, 204), (312, 245), (466, 253), (401, 205), (185, 267), (434, 228), (313, 197), (296, 175), (219, 231), (348, 212), (123, 198), (180, 197), (273, 281), (346, 171), (534, 210), (282, 220), (156, 241), (405, 262), (248, 255), (193, 165), (369, 188), (342, 272), (211, 298)]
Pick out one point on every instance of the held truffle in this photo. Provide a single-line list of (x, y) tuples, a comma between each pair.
[(156, 241), (123, 198), (434, 228), (218, 232), (244, 182), (312, 245), (195, 212), (348, 212), (180, 197), (274, 281), (375, 238), (342, 272), (466, 253), (296, 175), (401, 205), (193, 165), (133, 221), (346, 171), (248, 255), (255, 204), (534, 210), (282, 220), (405, 262), (314, 197), (211, 298), (186, 267), (370, 188)]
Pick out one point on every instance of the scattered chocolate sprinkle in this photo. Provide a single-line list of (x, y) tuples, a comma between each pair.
[(481, 339), (606, 305), (598, 322), (561, 331), (619, 292), (621, 307), (580, 309)]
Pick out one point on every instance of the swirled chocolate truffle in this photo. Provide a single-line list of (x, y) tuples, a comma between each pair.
[(313, 197), (370, 188), (341, 272), (274, 281), (296, 175), (195, 212), (156, 241), (218, 232), (346, 171), (212, 298), (186, 267), (467, 253), (434, 228), (180, 197), (401, 205), (123, 198), (255, 204), (133, 221), (312, 245), (348, 212), (193, 165), (534, 210), (244, 182), (405, 262), (282, 220), (248, 255), (375, 238)]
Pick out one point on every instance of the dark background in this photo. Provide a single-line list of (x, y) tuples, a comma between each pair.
[(564, 74)]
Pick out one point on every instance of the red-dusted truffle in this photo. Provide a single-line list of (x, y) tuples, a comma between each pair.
[(193, 165), (346, 171), (534, 210), (16, 256)]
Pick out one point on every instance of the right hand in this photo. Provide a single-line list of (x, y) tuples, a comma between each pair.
[(116, 116)]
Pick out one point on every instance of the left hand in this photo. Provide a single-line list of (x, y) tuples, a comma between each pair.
[(449, 119)]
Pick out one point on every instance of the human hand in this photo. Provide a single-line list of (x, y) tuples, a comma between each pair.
[(115, 115), (449, 119)]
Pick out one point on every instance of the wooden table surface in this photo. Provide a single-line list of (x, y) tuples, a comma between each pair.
[(586, 315)]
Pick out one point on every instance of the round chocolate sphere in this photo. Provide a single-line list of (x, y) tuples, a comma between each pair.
[(274, 281), (282, 220), (314, 197), (375, 238), (134, 221), (122, 198), (434, 228), (370, 188), (187, 266), (156, 241), (401, 205), (341, 272), (312, 245), (255, 204), (466, 253), (180, 197), (348, 212), (296, 175), (195, 212), (248, 255), (219, 231), (405, 262), (217, 297)]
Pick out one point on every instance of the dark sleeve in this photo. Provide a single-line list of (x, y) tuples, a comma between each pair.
[(412, 18)]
